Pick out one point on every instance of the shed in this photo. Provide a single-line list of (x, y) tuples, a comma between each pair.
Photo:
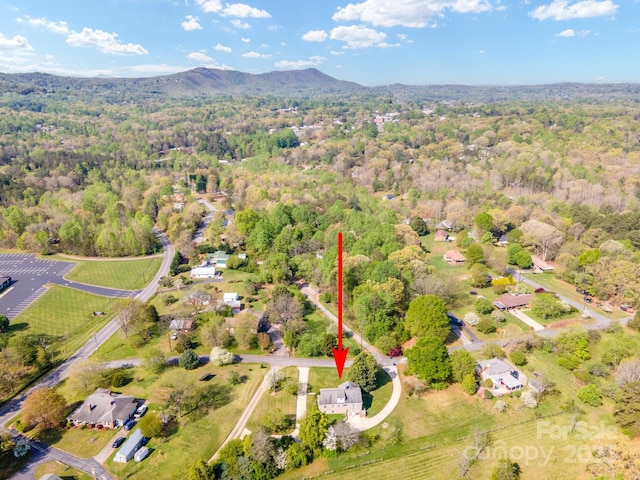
[(141, 454), (128, 450), (230, 297)]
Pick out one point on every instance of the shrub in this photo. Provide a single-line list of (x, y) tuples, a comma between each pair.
[(518, 357), (168, 300), (189, 359), (483, 306), (487, 383), (137, 341), (471, 318), (183, 343), (529, 399), (492, 350), (634, 323), (590, 394), (234, 378), (488, 395), (469, 384), (500, 406), (570, 362), (486, 325)]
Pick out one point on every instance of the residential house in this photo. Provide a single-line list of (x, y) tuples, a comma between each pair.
[(441, 236), (219, 258), (389, 196), (104, 409), (446, 225), (509, 302), (346, 399), (203, 272), (130, 447), (540, 265), (454, 257), (230, 297), (181, 325), (502, 375)]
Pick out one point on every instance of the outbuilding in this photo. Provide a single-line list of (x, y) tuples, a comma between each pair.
[(130, 447)]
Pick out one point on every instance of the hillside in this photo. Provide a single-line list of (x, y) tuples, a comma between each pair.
[(202, 82)]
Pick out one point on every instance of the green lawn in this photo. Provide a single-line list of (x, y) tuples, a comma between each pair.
[(64, 316), (545, 321), (282, 400), (196, 438), (121, 274), (82, 442), (63, 471)]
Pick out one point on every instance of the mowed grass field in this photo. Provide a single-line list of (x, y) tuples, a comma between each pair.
[(121, 274), (270, 401), (63, 316)]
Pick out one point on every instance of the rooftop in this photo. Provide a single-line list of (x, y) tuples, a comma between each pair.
[(347, 392)]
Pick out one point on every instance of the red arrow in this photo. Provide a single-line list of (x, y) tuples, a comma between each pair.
[(340, 355)]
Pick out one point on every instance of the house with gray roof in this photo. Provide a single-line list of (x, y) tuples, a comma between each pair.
[(346, 399), (502, 374), (105, 409)]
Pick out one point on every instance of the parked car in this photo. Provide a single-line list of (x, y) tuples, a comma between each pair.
[(129, 424), (174, 336), (117, 442), (141, 411)]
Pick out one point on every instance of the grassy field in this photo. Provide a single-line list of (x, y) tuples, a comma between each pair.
[(63, 471), (121, 274), (83, 443), (170, 458), (270, 401), (64, 316), (438, 426)]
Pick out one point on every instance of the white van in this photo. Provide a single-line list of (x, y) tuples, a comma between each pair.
[(141, 454)]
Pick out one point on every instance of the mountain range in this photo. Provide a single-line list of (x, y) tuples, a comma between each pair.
[(203, 82)]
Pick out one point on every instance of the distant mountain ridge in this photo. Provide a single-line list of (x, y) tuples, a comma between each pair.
[(310, 82)]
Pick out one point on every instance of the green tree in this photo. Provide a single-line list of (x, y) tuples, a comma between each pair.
[(419, 226), (523, 259), (150, 425), (484, 222), (518, 357), (483, 306), (486, 325), (201, 470), (427, 316), (634, 323), (469, 384), (462, 364), (313, 428), (429, 360), (590, 394), (479, 275), (628, 409), (474, 254), (4, 323), (189, 359), (546, 305), (506, 470), (363, 371), (155, 360)]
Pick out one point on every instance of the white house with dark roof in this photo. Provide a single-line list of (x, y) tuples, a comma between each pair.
[(104, 408), (346, 399), (501, 374)]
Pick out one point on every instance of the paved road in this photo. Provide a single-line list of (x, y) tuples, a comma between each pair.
[(12, 409)]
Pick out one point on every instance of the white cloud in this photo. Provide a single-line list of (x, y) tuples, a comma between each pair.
[(55, 27), (315, 36), (245, 40), (199, 57), (407, 13), (357, 36), (191, 23), (256, 55), (570, 32), (333, 52), (241, 10), (312, 62), (16, 44), (105, 42), (239, 24), (387, 45), (222, 48), (566, 10), (209, 6)]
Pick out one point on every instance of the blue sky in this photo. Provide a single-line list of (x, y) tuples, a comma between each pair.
[(372, 42)]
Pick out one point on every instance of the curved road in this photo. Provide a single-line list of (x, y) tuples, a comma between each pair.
[(12, 408)]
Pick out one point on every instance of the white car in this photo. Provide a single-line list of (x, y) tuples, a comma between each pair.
[(141, 411)]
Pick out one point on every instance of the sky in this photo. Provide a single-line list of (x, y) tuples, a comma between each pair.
[(371, 42)]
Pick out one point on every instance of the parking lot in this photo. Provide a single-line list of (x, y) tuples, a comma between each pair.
[(30, 274)]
